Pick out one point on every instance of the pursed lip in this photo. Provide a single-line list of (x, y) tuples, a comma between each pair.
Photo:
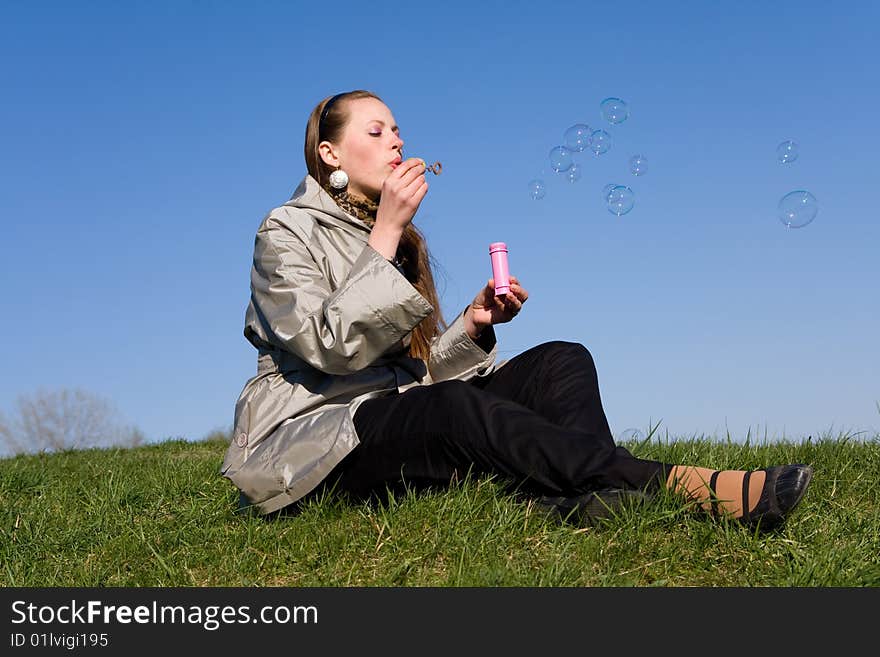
[(395, 162)]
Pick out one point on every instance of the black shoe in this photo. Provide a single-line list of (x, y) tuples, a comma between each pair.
[(783, 490), (585, 510)]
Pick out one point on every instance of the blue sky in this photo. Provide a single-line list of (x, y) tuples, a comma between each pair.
[(143, 142)]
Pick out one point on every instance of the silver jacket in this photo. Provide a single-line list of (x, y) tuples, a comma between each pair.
[(331, 319)]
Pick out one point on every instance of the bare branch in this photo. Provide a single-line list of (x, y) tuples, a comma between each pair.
[(56, 420)]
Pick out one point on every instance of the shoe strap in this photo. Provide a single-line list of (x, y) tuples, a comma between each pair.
[(713, 496), (745, 501)]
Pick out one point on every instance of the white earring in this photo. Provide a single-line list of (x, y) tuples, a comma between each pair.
[(338, 179)]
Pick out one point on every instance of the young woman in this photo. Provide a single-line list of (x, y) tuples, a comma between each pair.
[(361, 384)]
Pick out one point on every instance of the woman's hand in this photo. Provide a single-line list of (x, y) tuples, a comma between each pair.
[(402, 193), (486, 308)]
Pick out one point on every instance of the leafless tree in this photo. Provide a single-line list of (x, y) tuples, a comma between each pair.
[(56, 420), (5, 431)]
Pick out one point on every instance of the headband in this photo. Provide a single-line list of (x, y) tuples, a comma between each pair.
[(326, 110)]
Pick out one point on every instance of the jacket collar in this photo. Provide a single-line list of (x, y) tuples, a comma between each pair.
[(309, 195)]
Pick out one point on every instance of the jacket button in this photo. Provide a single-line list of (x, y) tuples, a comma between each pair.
[(241, 439)]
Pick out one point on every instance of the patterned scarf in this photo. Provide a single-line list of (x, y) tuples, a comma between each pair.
[(357, 206), (365, 210)]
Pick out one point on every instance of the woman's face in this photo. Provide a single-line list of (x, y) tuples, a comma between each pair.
[(370, 147)]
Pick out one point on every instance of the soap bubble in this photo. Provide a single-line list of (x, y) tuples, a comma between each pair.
[(787, 151), (607, 190), (560, 159), (797, 209), (577, 137), (537, 189), (638, 165), (628, 435), (620, 200), (574, 173), (600, 142), (614, 110)]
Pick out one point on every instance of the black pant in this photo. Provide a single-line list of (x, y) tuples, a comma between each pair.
[(538, 422)]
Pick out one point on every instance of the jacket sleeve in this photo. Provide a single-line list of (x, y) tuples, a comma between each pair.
[(338, 331), (454, 355)]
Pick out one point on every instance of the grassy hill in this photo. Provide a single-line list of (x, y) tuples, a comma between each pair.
[(161, 515)]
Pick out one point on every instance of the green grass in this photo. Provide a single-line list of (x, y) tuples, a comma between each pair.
[(161, 515)]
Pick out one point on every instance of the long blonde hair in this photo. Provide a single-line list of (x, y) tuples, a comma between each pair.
[(412, 250)]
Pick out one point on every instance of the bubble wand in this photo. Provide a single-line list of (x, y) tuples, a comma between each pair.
[(435, 168)]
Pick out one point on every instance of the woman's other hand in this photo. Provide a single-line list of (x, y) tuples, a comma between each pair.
[(487, 308)]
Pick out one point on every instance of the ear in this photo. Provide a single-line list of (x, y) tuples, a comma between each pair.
[(328, 153)]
